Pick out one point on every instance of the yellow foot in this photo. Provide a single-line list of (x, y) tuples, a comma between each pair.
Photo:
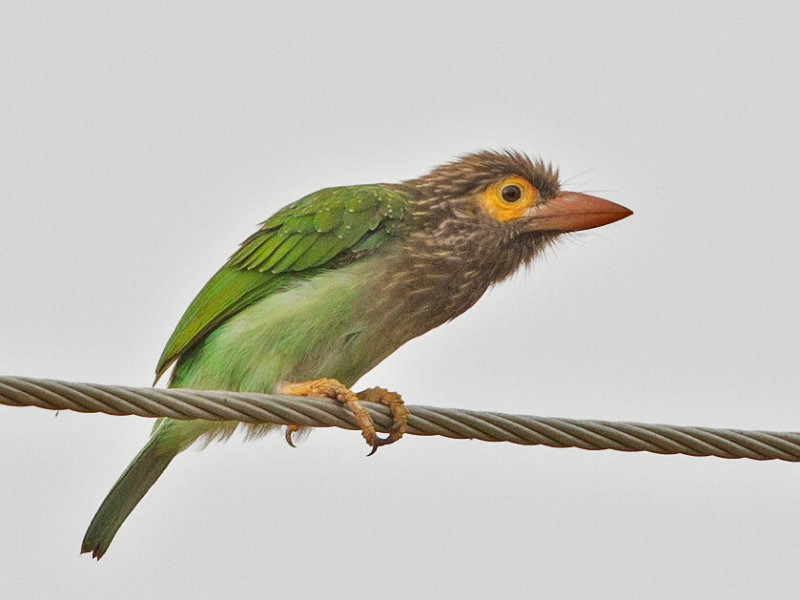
[(331, 388)]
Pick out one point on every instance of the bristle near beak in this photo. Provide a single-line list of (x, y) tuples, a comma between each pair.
[(571, 211)]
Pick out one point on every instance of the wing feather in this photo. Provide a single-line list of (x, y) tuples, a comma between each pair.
[(277, 255), (324, 230), (290, 257)]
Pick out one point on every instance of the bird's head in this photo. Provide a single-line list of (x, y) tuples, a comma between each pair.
[(509, 190), (501, 209)]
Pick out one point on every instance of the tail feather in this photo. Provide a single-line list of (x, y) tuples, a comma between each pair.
[(132, 485)]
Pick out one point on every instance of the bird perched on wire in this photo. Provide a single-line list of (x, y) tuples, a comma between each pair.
[(332, 284)]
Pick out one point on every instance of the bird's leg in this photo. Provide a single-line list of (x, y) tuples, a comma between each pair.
[(331, 388)]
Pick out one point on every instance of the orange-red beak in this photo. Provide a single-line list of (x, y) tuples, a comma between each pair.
[(570, 211)]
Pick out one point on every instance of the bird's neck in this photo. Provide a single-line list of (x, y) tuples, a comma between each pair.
[(441, 274)]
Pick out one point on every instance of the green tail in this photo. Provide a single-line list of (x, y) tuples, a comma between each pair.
[(140, 475)]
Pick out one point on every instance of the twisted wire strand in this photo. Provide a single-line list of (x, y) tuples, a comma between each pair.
[(424, 420)]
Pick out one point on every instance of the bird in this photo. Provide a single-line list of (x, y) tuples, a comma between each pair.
[(333, 283)]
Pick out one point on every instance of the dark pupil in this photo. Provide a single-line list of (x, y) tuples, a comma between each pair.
[(511, 193)]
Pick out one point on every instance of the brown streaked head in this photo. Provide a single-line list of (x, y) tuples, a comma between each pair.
[(511, 189), (489, 213)]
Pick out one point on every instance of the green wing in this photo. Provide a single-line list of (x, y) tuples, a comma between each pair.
[(325, 230)]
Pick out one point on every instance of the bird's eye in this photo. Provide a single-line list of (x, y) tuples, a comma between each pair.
[(508, 199), (511, 193)]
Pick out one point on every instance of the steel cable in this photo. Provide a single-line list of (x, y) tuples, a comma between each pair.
[(424, 420)]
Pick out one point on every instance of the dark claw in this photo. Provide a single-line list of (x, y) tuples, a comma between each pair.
[(289, 432), (379, 441)]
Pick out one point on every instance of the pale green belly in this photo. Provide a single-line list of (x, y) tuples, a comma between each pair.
[(320, 328)]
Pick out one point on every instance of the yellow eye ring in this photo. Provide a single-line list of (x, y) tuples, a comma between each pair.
[(508, 199)]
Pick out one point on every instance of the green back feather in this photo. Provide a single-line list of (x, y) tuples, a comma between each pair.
[(324, 230)]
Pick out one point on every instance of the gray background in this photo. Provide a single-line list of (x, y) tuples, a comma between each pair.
[(139, 144)]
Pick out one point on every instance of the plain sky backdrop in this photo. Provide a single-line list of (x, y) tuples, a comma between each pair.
[(141, 142)]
